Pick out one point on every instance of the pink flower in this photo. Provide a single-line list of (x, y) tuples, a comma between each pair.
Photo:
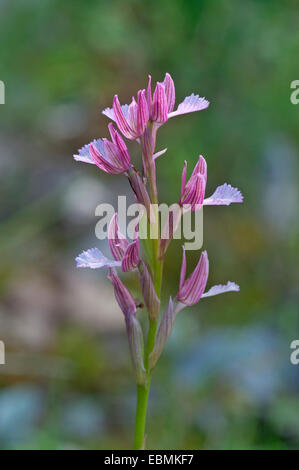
[(125, 254), (121, 249), (132, 119), (193, 192), (110, 156), (191, 290)]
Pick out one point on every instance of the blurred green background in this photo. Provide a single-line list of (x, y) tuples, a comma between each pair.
[(225, 380)]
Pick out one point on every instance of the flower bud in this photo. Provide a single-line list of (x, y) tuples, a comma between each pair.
[(191, 289), (122, 294), (193, 192)]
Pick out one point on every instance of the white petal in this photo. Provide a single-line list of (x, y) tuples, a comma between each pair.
[(84, 159), (94, 258), (110, 113), (221, 289), (224, 196), (189, 105)]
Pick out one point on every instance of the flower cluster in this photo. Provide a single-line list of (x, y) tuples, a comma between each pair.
[(139, 121)]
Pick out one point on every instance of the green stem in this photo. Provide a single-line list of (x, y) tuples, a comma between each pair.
[(157, 268), (142, 398), (143, 391)]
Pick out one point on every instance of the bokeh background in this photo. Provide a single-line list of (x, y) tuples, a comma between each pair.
[(225, 380)]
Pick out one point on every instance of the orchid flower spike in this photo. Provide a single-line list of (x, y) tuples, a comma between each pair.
[(110, 156), (132, 119)]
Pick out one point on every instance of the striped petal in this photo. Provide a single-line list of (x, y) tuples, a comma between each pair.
[(200, 167), (110, 113), (106, 161), (170, 92), (122, 294), (223, 196), (94, 259), (117, 241), (149, 98), (122, 121), (131, 257), (159, 111), (221, 289), (191, 290), (189, 105), (142, 113)]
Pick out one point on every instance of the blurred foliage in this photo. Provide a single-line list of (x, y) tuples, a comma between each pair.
[(225, 380)]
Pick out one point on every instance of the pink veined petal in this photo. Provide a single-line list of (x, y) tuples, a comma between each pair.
[(170, 92), (189, 105), (110, 113), (200, 167), (132, 115), (103, 163), (131, 257), (159, 111), (122, 155), (122, 121), (143, 113), (192, 289), (149, 95), (112, 132), (223, 196), (221, 289), (94, 258), (194, 192), (158, 154), (117, 241)]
